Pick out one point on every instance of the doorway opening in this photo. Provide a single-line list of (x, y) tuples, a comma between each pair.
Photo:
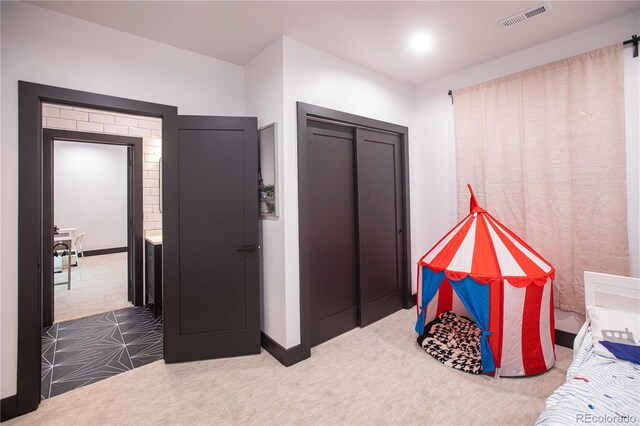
[(92, 276), (35, 249), (219, 151), (92, 208)]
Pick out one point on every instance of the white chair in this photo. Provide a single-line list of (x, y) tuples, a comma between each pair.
[(77, 249)]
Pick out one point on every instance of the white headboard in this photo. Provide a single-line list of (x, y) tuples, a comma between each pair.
[(612, 291), (608, 291)]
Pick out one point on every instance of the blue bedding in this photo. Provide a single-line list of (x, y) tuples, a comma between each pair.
[(598, 390)]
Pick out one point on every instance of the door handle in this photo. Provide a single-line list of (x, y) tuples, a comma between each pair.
[(248, 248)]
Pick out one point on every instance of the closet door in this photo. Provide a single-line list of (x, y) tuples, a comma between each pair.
[(333, 264), (380, 213)]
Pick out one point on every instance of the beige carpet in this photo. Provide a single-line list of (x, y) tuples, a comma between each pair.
[(99, 285), (375, 375)]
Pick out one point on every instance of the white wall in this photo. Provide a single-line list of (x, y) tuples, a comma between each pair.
[(90, 192), (433, 174), (45, 47), (315, 77), (264, 99)]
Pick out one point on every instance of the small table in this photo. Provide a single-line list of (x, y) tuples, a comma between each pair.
[(58, 240)]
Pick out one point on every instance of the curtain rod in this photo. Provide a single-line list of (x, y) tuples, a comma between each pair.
[(634, 40)]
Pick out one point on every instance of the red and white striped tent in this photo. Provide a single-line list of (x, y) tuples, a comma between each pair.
[(482, 270)]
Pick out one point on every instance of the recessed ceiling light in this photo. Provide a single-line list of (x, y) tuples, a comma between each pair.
[(421, 43)]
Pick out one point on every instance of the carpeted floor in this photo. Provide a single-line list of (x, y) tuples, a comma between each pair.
[(98, 285), (375, 375)]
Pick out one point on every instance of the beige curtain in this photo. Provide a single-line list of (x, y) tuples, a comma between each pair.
[(544, 150)]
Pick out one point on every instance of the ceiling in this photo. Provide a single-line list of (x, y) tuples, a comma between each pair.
[(371, 34)]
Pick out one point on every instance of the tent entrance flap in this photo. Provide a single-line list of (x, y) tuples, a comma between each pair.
[(475, 298), (427, 289)]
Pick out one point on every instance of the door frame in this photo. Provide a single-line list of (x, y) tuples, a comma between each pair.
[(134, 211), (30, 203), (304, 113)]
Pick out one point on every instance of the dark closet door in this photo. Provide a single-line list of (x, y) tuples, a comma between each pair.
[(380, 213), (333, 264), (210, 236)]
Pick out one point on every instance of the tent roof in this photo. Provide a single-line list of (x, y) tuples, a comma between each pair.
[(485, 249)]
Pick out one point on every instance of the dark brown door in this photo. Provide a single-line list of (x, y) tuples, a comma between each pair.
[(210, 236), (333, 258), (379, 165)]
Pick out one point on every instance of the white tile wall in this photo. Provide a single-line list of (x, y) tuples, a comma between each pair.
[(150, 125), (126, 121), (86, 126), (149, 128), (60, 123), (116, 130), (50, 112), (74, 115), (136, 131), (102, 118)]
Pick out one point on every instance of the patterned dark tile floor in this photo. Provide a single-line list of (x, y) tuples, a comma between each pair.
[(86, 350)]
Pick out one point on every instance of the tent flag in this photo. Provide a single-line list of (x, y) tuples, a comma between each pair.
[(473, 203)]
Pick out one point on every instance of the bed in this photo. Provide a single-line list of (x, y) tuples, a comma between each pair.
[(599, 389)]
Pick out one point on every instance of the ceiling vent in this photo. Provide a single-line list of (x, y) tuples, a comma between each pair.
[(526, 15)]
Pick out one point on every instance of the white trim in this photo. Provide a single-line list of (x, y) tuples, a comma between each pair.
[(579, 338), (612, 291)]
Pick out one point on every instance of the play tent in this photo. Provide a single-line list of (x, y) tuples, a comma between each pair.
[(482, 270)]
